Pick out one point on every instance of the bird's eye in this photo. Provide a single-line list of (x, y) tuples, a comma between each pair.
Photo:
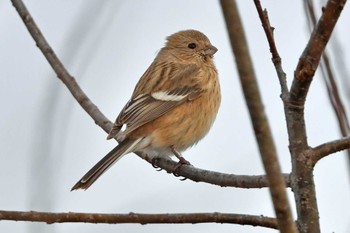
[(192, 45)]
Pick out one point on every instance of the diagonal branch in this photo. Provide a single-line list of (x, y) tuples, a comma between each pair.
[(59, 69), (258, 118), (310, 58), (328, 76), (181, 218)]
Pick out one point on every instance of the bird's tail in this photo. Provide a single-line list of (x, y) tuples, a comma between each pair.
[(125, 147)]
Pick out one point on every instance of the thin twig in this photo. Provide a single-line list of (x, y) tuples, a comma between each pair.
[(276, 59), (181, 218), (258, 118)]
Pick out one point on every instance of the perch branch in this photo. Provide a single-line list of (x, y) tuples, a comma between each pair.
[(190, 172)]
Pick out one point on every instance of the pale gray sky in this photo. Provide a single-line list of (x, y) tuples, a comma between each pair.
[(48, 142)]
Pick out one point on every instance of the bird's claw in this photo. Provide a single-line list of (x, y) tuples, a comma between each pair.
[(182, 161), (154, 160)]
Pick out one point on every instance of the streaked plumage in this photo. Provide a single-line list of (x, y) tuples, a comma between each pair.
[(173, 105)]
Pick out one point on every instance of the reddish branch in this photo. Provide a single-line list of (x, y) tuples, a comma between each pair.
[(257, 114), (182, 218)]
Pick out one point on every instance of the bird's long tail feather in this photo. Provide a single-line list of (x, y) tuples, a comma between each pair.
[(106, 162)]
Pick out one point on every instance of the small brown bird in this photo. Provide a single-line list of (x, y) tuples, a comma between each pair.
[(173, 105)]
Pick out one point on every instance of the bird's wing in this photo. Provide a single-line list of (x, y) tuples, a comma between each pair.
[(146, 107)]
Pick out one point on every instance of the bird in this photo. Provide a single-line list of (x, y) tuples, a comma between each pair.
[(173, 106)]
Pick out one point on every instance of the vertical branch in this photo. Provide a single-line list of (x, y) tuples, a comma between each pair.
[(257, 115), (302, 166)]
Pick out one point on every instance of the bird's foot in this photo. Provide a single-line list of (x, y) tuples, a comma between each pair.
[(154, 160), (182, 161)]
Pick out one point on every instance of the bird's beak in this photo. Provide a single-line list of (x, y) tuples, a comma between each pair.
[(210, 50)]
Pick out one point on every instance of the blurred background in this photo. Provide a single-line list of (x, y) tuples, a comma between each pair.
[(47, 141)]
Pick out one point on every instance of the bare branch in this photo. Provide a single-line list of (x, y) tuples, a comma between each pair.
[(310, 58), (50, 218), (276, 59), (258, 117), (59, 69), (328, 76), (302, 164), (217, 178), (328, 148)]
